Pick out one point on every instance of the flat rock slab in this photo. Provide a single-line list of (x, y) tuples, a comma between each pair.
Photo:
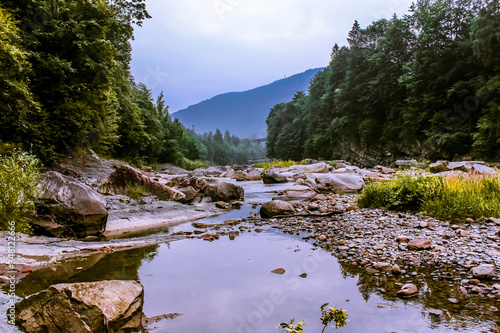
[(420, 244), (484, 271), (104, 306)]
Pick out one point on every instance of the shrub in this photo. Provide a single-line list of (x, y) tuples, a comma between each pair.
[(19, 188), (281, 164)]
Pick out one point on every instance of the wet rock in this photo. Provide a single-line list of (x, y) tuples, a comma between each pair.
[(105, 306), (408, 290), (396, 270), (471, 306), (483, 271), (125, 178), (383, 266), (420, 244), (225, 191), (322, 238), (276, 207), (402, 239), (280, 271), (199, 225), (77, 208), (304, 275), (221, 204)]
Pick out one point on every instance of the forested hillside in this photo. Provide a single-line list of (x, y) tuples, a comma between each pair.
[(65, 86), (423, 85), (243, 113)]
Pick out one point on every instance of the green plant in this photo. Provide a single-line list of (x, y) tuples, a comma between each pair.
[(291, 328), (19, 188), (280, 163), (339, 316)]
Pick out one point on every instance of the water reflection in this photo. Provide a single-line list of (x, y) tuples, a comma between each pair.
[(122, 265)]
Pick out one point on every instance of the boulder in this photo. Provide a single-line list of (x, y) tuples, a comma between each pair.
[(276, 207), (339, 182), (459, 166), (483, 271), (420, 244), (213, 171), (104, 306), (223, 191), (408, 290), (123, 179), (439, 166), (246, 176), (299, 191), (74, 206), (483, 169), (321, 167), (272, 176)]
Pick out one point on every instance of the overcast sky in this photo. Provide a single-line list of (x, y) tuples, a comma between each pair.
[(193, 50)]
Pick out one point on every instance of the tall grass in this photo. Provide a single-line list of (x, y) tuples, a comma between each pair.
[(19, 188), (451, 197)]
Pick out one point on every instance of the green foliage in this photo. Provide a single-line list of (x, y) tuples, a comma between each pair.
[(281, 164), (136, 192), (339, 316), (291, 328), (451, 197), (424, 84), (19, 189)]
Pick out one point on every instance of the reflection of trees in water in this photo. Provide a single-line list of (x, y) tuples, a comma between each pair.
[(121, 265), (436, 289)]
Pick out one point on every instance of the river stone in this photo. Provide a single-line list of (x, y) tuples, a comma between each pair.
[(246, 176), (123, 179), (104, 306), (321, 167), (439, 166), (275, 208), (272, 176), (483, 169), (408, 290), (280, 271), (299, 191), (339, 182), (420, 244), (225, 191), (77, 208), (483, 271)]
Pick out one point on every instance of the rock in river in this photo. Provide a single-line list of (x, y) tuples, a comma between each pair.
[(225, 191), (408, 290), (80, 210), (275, 208), (104, 306), (484, 271)]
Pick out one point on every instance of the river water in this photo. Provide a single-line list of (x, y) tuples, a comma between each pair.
[(227, 285)]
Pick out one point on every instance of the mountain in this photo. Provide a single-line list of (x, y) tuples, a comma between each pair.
[(243, 113)]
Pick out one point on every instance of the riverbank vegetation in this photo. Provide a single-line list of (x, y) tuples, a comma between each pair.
[(425, 85), (66, 85), (19, 189), (454, 197)]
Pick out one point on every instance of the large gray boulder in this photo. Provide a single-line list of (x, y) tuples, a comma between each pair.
[(75, 207), (321, 167), (104, 306), (126, 178), (246, 176), (276, 207), (339, 182), (299, 192), (223, 191)]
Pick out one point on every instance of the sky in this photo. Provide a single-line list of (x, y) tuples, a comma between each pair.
[(193, 50)]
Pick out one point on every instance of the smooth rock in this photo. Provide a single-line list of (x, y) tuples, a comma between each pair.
[(77, 207), (224, 191), (339, 182), (321, 167), (483, 271), (420, 244), (104, 306), (276, 207), (408, 290)]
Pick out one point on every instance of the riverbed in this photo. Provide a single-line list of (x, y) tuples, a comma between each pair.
[(228, 286)]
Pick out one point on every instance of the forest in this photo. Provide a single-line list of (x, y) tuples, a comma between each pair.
[(66, 86), (425, 85)]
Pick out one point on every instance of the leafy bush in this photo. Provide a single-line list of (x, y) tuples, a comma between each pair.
[(339, 316), (19, 188), (450, 197), (193, 165)]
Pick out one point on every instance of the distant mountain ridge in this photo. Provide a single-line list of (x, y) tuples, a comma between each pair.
[(243, 113)]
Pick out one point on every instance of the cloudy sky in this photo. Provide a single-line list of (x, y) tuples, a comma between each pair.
[(193, 50)]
